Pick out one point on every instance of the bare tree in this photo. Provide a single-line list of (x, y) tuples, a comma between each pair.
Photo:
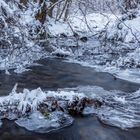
[(42, 12)]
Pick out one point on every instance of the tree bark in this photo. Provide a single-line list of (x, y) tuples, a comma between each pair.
[(42, 13)]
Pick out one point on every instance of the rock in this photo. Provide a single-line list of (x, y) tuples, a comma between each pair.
[(84, 39), (75, 35), (63, 35), (61, 55)]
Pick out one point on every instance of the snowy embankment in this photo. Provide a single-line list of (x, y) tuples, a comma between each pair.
[(17, 32), (126, 32), (117, 50), (44, 111)]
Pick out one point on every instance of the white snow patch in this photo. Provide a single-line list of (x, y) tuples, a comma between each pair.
[(128, 31), (133, 30), (91, 22), (120, 99)]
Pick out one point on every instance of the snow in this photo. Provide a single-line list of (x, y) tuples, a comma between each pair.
[(116, 107), (128, 30), (134, 29), (94, 22), (88, 25), (120, 99), (21, 50), (35, 97), (106, 24), (4, 4)]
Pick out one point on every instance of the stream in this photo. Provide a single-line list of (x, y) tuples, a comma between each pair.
[(52, 74)]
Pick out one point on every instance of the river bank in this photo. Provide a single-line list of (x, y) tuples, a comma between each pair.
[(51, 74)]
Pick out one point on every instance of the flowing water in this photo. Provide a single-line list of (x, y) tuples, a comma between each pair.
[(120, 100)]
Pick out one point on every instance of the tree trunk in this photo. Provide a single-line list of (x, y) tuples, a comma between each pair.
[(42, 13)]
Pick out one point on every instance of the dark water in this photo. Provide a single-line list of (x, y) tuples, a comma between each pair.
[(83, 129), (53, 74)]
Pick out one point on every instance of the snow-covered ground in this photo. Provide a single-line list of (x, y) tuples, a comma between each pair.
[(94, 22)]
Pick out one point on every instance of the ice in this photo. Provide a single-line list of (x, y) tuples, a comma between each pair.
[(102, 25), (89, 111), (66, 95), (7, 72), (132, 75), (117, 108), (20, 104), (120, 99), (121, 110), (39, 123)]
